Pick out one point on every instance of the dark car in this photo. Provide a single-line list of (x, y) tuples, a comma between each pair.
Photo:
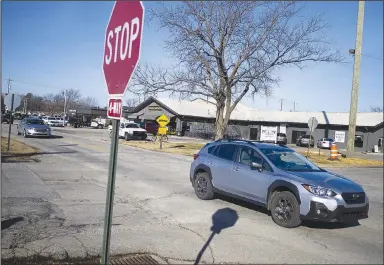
[(150, 126), (7, 118)]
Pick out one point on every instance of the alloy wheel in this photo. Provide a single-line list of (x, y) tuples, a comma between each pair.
[(283, 210), (201, 186)]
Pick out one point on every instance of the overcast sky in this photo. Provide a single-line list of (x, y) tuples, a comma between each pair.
[(60, 45)]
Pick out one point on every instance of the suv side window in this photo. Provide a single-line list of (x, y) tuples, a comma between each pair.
[(248, 155), (211, 149), (226, 151)]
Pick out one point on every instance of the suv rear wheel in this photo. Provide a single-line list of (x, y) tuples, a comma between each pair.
[(203, 186), (285, 209)]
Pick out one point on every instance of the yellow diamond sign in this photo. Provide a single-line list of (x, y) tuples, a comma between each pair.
[(162, 120)]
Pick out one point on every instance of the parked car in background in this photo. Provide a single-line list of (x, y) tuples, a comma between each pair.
[(276, 177), (150, 126), (130, 131), (33, 127), (305, 141), (100, 123), (281, 138), (324, 143), (52, 121), (6, 118)]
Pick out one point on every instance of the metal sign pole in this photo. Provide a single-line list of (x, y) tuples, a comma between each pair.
[(10, 123), (310, 137), (161, 141), (110, 190)]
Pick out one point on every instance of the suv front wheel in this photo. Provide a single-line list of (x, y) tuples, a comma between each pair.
[(203, 186), (285, 209)]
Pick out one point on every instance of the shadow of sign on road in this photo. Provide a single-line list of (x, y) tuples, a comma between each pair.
[(221, 219), (8, 223)]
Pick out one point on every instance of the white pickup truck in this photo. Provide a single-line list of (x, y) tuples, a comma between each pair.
[(99, 123), (129, 130)]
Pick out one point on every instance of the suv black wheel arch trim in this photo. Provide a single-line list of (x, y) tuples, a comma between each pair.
[(280, 185), (201, 168)]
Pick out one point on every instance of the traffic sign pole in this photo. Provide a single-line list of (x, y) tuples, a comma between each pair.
[(310, 137), (10, 123), (121, 54), (110, 190)]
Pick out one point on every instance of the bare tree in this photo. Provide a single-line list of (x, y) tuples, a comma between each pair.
[(229, 49), (89, 102), (376, 109), (131, 102), (50, 104), (73, 97)]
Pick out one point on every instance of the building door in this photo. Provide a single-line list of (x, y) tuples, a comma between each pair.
[(253, 134), (296, 135)]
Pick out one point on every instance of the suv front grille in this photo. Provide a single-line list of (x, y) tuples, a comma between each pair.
[(353, 197), (138, 133)]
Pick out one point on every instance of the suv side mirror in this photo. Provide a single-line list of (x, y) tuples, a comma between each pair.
[(255, 165)]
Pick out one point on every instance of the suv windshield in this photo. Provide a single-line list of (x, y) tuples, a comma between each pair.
[(35, 121), (288, 160)]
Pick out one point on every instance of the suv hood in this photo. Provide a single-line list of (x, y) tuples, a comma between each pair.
[(327, 180)]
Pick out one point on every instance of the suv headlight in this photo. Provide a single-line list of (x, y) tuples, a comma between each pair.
[(317, 190)]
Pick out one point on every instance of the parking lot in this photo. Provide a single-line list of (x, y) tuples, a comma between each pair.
[(58, 200)]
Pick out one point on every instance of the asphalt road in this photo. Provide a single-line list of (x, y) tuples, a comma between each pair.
[(54, 206)]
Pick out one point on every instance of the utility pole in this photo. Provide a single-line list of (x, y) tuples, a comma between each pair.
[(355, 84), (294, 105), (65, 105), (9, 86), (281, 104), (25, 105)]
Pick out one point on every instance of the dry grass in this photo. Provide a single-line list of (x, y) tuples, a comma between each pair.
[(322, 159), (187, 149), (16, 147)]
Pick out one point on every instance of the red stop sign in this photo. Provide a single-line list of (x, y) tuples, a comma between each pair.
[(122, 45)]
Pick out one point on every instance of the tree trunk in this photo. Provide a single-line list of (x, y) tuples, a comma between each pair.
[(220, 122)]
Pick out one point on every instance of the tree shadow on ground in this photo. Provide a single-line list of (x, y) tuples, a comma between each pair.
[(221, 219)]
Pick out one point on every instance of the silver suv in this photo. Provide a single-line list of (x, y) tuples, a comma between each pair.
[(276, 177)]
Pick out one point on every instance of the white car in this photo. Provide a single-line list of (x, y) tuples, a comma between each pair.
[(52, 121), (130, 130), (324, 143)]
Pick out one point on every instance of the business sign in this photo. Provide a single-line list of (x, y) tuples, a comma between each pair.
[(339, 137), (268, 133)]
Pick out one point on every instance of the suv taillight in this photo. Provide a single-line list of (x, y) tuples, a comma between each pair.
[(195, 156)]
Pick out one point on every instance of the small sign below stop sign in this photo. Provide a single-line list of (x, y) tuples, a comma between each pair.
[(115, 108), (122, 45)]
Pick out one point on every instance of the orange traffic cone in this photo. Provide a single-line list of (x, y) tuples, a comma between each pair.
[(334, 155)]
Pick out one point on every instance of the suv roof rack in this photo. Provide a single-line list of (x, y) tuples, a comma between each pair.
[(249, 141)]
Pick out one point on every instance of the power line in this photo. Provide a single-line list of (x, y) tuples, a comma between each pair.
[(372, 57), (36, 84)]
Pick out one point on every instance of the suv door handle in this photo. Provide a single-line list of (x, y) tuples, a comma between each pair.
[(236, 168)]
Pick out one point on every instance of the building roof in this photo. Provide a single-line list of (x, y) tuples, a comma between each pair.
[(207, 109)]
